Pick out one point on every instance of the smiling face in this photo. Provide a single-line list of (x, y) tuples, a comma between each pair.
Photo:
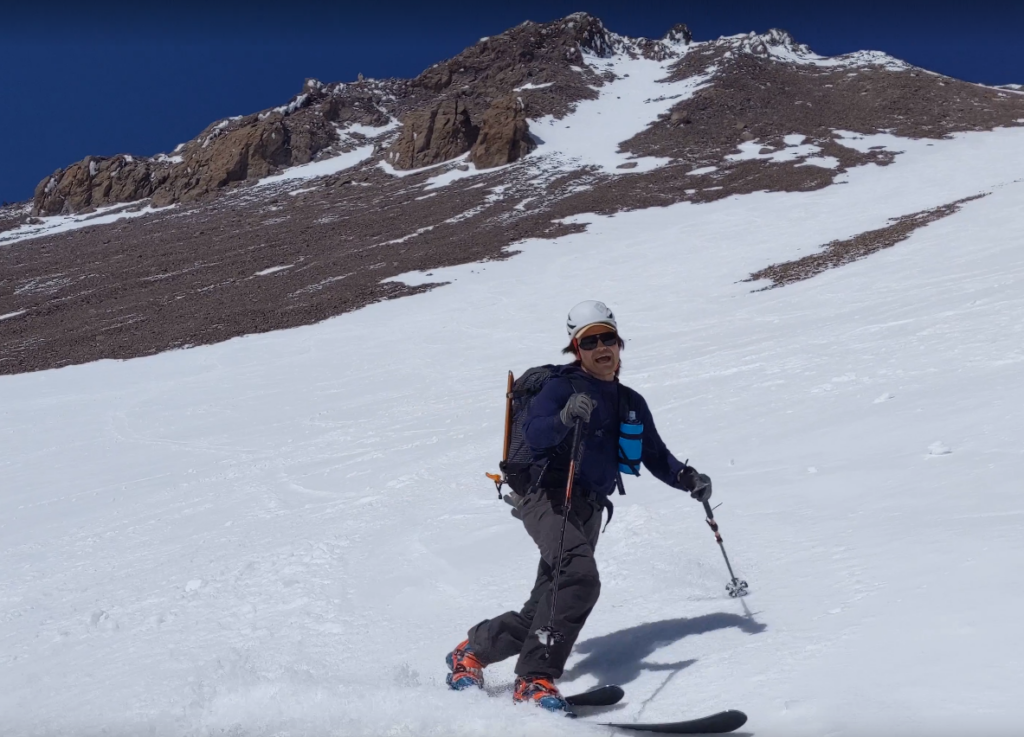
[(601, 360)]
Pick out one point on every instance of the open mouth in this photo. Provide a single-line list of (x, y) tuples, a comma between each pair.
[(603, 360)]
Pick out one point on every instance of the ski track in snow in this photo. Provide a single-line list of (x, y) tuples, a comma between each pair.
[(285, 533)]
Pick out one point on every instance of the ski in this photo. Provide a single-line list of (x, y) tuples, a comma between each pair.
[(723, 721), (600, 696)]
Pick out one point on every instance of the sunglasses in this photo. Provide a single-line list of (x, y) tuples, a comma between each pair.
[(590, 342)]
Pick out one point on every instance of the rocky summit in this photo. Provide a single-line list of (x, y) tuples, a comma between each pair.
[(300, 212)]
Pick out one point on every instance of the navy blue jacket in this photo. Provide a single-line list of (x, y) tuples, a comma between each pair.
[(545, 431)]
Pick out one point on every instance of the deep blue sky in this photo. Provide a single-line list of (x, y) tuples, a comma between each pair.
[(104, 78)]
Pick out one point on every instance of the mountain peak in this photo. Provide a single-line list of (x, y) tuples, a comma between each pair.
[(481, 103), (774, 42)]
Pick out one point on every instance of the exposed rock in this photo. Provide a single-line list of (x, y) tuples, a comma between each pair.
[(589, 34), (256, 146), (747, 136), (679, 33), (97, 181), (430, 136), (840, 252), (496, 66), (253, 150), (764, 44), (504, 134), (227, 152), (13, 216)]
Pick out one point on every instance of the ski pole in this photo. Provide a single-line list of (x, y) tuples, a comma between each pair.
[(548, 634), (735, 587)]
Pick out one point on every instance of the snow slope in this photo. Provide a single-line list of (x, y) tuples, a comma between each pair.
[(634, 98), (284, 534)]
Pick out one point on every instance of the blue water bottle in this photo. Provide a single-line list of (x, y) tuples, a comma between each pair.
[(631, 444)]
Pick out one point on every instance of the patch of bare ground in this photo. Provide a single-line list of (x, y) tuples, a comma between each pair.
[(13, 216), (841, 252), (759, 99), (247, 264)]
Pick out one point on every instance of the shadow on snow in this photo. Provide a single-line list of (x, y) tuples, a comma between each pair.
[(618, 657)]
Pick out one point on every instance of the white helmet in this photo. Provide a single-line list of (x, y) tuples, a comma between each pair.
[(589, 313)]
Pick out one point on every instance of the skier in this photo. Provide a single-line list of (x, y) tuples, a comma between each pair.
[(587, 390)]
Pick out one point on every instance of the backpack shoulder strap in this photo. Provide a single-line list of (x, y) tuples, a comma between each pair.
[(627, 402)]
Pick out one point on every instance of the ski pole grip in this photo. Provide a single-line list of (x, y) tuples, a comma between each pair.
[(707, 510)]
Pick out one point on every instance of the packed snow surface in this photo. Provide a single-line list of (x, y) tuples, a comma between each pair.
[(592, 133), (284, 534), (322, 168), (340, 162), (273, 270), (794, 150)]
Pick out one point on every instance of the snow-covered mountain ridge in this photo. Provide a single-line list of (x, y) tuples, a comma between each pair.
[(273, 140), (294, 214)]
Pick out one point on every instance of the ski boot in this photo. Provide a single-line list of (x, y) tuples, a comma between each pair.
[(538, 690), (466, 670)]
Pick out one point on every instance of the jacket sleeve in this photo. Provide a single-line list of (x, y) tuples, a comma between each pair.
[(656, 457), (543, 428)]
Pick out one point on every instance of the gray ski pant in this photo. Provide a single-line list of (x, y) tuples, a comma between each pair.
[(514, 633)]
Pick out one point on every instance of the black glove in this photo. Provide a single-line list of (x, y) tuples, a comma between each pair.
[(579, 405), (698, 484)]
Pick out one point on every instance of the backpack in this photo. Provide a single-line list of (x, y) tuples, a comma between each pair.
[(518, 464)]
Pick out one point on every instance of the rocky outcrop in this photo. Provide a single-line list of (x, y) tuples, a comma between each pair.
[(678, 35), (546, 52), (97, 181), (438, 133), (253, 150), (499, 64), (228, 152), (775, 40), (504, 134)]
